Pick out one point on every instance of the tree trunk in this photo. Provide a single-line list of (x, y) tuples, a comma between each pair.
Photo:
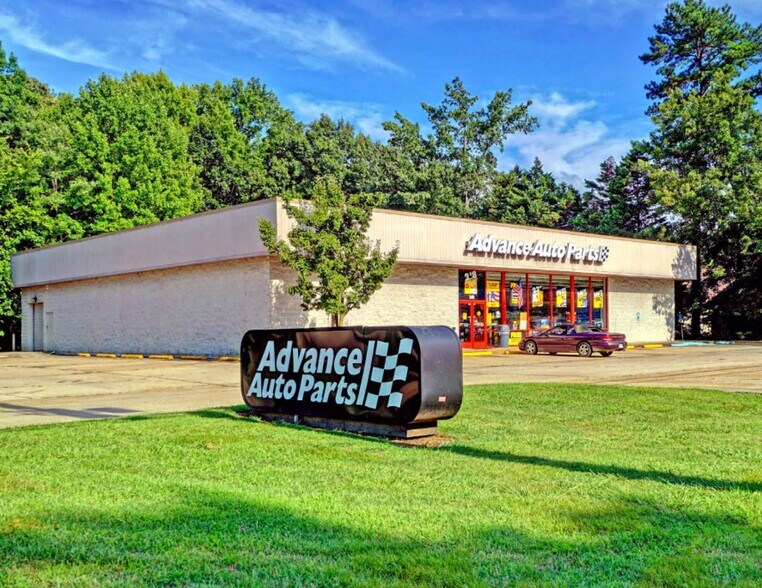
[(337, 320)]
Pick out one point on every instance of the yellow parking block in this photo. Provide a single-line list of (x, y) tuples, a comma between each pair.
[(131, 356), (111, 355), (630, 347), (196, 357), (652, 346), (476, 353), (161, 357), (83, 354), (228, 359)]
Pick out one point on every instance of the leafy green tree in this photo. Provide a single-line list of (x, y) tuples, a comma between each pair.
[(338, 268), (705, 162), (529, 197), (274, 137), (128, 161), (225, 157), (456, 164)]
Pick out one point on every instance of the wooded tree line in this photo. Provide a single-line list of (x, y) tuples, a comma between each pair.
[(138, 149)]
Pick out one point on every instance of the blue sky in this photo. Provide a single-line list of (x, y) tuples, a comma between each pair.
[(365, 59)]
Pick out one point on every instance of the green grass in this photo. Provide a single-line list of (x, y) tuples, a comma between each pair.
[(539, 485)]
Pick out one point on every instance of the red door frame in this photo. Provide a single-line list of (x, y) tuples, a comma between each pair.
[(471, 343)]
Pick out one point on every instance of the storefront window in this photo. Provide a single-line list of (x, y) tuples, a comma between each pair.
[(525, 302), (493, 306), (562, 300), (516, 307), (599, 303), (582, 299), (471, 285), (539, 301)]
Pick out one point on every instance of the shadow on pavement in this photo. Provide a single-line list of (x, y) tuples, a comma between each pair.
[(86, 413)]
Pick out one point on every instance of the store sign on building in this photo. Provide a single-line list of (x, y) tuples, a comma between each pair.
[(539, 249), (395, 381)]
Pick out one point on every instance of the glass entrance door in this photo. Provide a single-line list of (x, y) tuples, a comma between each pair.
[(472, 324)]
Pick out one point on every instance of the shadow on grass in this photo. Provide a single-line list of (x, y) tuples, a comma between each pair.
[(240, 413), (592, 468), (215, 538)]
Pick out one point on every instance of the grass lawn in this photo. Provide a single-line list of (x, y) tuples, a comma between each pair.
[(538, 485)]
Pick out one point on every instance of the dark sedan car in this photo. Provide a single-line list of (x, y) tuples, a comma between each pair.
[(583, 339)]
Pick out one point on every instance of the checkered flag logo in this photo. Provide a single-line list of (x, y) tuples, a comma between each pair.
[(390, 373), (604, 254)]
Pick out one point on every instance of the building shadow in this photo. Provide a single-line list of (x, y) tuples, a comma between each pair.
[(286, 311), (216, 537)]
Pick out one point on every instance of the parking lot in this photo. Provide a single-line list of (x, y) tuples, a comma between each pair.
[(40, 388)]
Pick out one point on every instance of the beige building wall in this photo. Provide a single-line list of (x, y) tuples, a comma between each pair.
[(205, 309), (201, 309), (643, 309), (413, 295)]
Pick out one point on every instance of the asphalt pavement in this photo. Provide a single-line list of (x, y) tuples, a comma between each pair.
[(37, 388)]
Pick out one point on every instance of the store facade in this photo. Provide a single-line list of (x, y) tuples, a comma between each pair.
[(195, 285), (525, 302)]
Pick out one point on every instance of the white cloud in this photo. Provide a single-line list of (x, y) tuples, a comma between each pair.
[(556, 109), (367, 117), (75, 50), (570, 147), (315, 39)]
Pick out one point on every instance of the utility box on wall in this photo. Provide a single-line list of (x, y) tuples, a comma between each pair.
[(390, 381)]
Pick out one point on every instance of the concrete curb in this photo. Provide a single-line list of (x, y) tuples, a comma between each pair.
[(161, 357)]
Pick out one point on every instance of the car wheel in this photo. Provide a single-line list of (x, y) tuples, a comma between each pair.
[(585, 349), (607, 353), (531, 347)]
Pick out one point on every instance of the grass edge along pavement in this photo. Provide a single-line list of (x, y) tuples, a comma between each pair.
[(542, 484)]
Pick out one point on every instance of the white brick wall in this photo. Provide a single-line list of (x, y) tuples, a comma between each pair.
[(413, 295), (643, 309), (200, 309)]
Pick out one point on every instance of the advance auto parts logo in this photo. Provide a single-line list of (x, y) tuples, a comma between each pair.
[(368, 376), (537, 249)]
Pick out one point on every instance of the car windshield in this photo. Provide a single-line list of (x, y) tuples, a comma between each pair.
[(587, 329), (559, 330)]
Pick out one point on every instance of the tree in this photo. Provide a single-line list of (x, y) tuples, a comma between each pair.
[(695, 43), (329, 245), (705, 155), (127, 161), (457, 162), (29, 214), (226, 159), (620, 201), (529, 197)]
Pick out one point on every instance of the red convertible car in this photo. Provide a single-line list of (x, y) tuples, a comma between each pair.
[(583, 339)]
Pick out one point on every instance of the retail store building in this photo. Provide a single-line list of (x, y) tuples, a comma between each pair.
[(194, 285)]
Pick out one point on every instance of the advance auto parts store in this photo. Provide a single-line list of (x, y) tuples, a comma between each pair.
[(194, 285)]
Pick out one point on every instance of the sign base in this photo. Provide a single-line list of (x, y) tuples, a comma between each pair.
[(409, 431)]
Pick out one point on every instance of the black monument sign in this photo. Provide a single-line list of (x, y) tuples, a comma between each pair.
[(394, 381)]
